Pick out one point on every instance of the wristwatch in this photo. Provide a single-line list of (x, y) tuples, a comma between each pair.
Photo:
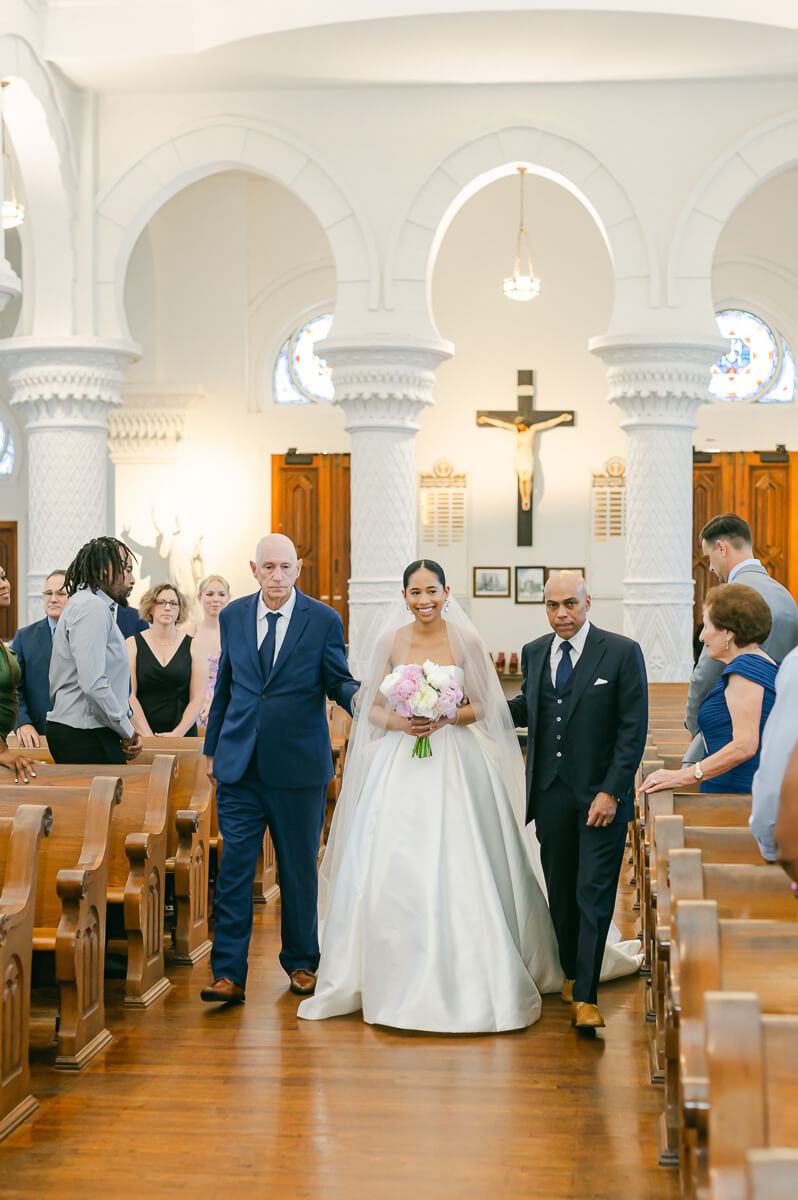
[(699, 774)]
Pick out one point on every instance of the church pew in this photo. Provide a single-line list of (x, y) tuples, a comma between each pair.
[(770, 1175), (188, 844), (340, 724), (697, 808), (70, 912), (742, 891), (710, 954), (136, 865), (20, 837), (752, 1068)]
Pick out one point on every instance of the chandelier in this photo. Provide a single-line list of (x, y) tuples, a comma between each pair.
[(13, 211), (522, 284)]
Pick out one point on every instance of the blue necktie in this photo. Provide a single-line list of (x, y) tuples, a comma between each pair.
[(266, 650), (564, 667)]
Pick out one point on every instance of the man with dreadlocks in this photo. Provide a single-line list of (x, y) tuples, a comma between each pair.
[(90, 668)]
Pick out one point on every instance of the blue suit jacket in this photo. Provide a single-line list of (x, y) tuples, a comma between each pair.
[(284, 720), (129, 621), (33, 646)]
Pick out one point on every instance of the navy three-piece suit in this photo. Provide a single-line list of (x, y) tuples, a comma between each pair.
[(268, 735)]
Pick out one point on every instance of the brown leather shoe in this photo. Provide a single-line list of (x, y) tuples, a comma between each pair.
[(586, 1016), (224, 991), (567, 993), (303, 983)]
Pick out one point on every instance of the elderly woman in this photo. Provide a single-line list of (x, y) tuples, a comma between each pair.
[(733, 714), (167, 669), (15, 761)]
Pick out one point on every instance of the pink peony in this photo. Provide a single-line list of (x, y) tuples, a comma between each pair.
[(448, 700)]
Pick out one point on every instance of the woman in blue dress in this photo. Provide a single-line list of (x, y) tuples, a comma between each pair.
[(733, 714)]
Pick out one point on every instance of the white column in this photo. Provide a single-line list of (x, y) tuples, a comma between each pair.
[(382, 386), (10, 284), (63, 393), (659, 384)]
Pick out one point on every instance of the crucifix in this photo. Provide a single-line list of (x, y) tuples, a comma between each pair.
[(526, 423)]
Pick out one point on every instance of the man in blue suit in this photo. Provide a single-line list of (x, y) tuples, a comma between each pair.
[(267, 746), (33, 646)]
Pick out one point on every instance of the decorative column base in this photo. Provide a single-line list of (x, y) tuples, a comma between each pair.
[(64, 392), (382, 385), (659, 384)]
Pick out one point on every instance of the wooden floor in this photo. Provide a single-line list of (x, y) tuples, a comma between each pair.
[(253, 1102)]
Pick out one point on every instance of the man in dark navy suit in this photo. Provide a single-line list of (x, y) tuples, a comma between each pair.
[(267, 744), (33, 646), (584, 701)]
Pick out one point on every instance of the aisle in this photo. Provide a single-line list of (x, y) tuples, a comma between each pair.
[(253, 1102)]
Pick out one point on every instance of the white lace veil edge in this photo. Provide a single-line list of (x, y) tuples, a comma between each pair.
[(494, 727)]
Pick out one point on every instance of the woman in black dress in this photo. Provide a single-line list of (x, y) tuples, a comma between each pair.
[(167, 672)]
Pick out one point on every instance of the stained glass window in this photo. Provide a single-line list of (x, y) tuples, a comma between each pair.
[(758, 366), (6, 451), (300, 375)]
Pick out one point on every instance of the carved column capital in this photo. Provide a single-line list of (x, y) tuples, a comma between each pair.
[(66, 384), (149, 424), (658, 381), (384, 383)]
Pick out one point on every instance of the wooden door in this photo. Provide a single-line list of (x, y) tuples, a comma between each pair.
[(310, 504), (8, 559), (762, 488)]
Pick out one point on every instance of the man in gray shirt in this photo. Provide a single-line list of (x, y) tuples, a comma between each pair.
[(726, 541), (90, 669)]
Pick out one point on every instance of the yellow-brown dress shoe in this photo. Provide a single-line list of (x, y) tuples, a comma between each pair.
[(224, 991), (586, 1016), (303, 983), (567, 993)]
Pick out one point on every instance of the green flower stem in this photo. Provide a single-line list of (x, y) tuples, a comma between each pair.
[(422, 748)]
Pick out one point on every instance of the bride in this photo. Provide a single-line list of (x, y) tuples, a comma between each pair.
[(431, 917)]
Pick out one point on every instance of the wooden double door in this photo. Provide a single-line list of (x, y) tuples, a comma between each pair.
[(760, 487), (310, 504)]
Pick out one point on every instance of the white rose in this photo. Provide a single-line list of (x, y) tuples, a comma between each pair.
[(422, 703), (439, 677), (388, 684)]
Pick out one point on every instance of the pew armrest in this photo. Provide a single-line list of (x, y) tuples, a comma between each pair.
[(71, 883), (187, 821), (138, 847)]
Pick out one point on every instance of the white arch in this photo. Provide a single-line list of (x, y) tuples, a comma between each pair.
[(749, 162), (207, 148), (415, 242), (43, 151)]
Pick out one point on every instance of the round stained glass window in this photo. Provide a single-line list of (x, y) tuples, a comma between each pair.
[(758, 366), (301, 376)]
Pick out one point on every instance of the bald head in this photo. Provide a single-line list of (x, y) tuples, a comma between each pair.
[(276, 568), (567, 602)]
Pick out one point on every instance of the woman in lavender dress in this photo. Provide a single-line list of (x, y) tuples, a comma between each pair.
[(213, 594)]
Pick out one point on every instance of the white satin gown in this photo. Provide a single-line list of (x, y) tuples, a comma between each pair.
[(436, 921)]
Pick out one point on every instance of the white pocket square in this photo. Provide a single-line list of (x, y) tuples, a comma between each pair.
[(599, 681)]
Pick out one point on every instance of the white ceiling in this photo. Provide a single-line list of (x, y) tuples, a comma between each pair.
[(459, 48)]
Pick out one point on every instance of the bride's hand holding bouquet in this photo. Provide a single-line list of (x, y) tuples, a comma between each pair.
[(427, 696)]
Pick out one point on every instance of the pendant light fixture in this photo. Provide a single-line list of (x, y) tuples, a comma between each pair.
[(522, 284), (13, 211)]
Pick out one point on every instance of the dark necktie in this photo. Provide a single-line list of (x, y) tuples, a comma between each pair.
[(564, 667), (266, 651)]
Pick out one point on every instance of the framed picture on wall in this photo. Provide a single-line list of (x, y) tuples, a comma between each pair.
[(529, 585), (554, 570), (491, 582)]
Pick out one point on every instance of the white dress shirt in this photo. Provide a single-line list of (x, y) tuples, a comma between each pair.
[(577, 646), (740, 566), (281, 629)]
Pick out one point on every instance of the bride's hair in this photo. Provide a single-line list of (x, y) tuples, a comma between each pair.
[(427, 563)]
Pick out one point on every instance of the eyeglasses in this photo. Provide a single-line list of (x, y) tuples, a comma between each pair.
[(52, 595), (167, 604)]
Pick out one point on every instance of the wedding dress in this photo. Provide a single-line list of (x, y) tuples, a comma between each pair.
[(436, 921)]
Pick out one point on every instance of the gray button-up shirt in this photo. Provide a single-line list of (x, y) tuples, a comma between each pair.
[(778, 743), (90, 667)]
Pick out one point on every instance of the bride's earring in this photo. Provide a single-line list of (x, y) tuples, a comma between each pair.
[(407, 606), (446, 605)]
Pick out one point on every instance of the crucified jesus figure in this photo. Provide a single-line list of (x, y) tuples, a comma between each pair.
[(524, 457)]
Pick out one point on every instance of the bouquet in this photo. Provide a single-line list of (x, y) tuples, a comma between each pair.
[(422, 691)]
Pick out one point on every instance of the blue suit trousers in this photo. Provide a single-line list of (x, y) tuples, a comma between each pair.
[(294, 818)]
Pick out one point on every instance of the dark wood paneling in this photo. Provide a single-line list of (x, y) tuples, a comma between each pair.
[(310, 504), (8, 559)]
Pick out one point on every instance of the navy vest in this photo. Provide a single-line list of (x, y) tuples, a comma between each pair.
[(553, 708)]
